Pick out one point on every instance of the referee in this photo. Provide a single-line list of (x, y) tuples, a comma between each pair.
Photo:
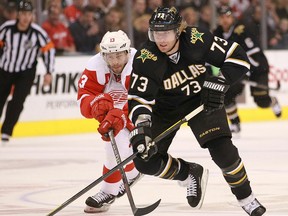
[(21, 42)]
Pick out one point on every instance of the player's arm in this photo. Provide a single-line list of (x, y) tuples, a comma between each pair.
[(140, 95), (47, 49), (141, 100), (91, 99), (233, 63), (230, 57), (258, 61)]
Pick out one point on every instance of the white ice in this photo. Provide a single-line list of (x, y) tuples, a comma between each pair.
[(38, 174)]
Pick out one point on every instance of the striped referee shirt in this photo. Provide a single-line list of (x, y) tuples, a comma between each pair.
[(22, 48)]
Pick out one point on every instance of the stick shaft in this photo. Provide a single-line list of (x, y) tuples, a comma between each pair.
[(257, 85), (93, 184), (124, 177), (127, 160)]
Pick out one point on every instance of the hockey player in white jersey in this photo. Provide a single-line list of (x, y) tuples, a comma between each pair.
[(102, 95)]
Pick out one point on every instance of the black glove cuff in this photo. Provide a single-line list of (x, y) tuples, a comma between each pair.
[(138, 134)]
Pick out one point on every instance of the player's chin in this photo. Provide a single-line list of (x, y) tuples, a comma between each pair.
[(163, 48), (117, 70)]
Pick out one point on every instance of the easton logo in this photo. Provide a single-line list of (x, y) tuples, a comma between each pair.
[(214, 86)]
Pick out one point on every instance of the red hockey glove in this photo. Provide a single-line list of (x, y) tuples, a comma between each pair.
[(213, 93), (101, 105), (115, 120)]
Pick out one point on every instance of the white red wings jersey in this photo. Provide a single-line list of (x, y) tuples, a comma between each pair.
[(97, 78)]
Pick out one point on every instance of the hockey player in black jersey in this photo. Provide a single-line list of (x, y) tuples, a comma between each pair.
[(239, 31), (168, 81)]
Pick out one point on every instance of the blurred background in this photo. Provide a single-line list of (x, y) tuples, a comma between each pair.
[(95, 17)]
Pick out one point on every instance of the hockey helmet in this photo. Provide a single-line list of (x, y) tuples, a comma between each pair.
[(116, 41), (164, 19), (224, 9), (25, 5)]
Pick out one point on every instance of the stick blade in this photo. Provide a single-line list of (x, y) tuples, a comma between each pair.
[(146, 210)]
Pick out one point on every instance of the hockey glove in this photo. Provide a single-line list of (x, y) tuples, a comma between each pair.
[(141, 141), (213, 93), (101, 105), (115, 120)]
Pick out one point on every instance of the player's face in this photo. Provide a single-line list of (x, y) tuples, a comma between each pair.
[(226, 21), (165, 40), (116, 61), (25, 18)]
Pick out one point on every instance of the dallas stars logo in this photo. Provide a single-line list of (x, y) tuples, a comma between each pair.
[(239, 29), (195, 35), (146, 54)]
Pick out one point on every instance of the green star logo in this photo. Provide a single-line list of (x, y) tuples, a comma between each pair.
[(146, 54), (195, 35)]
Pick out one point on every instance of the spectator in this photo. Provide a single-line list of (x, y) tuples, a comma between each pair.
[(190, 16), (73, 11), (282, 9), (141, 26), (58, 32), (282, 35), (9, 11), (152, 5), (99, 9), (205, 18), (114, 20), (85, 32), (53, 4), (139, 8)]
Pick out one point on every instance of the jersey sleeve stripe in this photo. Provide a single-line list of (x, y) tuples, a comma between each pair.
[(137, 107), (140, 100), (81, 98), (253, 51), (239, 62), (231, 49), (48, 46)]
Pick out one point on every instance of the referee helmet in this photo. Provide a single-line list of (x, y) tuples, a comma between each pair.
[(25, 5)]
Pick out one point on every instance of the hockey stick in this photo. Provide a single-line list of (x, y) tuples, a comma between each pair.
[(124, 162), (136, 211), (93, 184), (257, 85)]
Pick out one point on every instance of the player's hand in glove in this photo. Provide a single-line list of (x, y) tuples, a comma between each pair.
[(141, 140), (115, 120), (213, 93), (101, 105)]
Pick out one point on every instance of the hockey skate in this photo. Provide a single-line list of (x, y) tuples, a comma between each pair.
[(276, 107), (5, 138), (254, 208), (196, 185), (235, 128), (131, 182), (100, 202)]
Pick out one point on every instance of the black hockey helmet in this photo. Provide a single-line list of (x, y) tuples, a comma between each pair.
[(25, 5), (225, 9), (165, 18)]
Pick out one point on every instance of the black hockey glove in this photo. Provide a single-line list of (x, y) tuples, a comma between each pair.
[(140, 138), (213, 93)]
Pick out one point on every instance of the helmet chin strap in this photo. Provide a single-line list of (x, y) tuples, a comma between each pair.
[(172, 47)]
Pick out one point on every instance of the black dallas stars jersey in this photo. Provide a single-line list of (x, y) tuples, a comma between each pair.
[(171, 89), (244, 36)]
